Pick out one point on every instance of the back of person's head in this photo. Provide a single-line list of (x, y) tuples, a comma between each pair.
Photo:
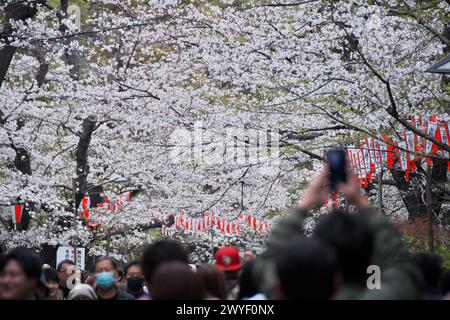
[(82, 292), (159, 252), (247, 285), (306, 269), (444, 282), (214, 281), (176, 281), (431, 265), (352, 239)]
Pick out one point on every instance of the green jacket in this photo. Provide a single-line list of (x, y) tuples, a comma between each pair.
[(400, 278)]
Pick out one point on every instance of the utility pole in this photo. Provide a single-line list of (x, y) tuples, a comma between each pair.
[(380, 193), (74, 186), (108, 242), (430, 211), (126, 241), (212, 238)]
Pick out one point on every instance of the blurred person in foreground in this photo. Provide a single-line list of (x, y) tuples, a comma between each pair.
[(306, 270), (176, 281), (359, 239), (228, 260), (159, 252), (106, 275), (248, 288), (20, 275), (432, 268), (444, 284), (214, 281)]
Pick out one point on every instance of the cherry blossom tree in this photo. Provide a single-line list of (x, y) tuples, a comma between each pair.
[(173, 97)]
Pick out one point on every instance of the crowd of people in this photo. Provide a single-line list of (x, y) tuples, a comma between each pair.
[(331, 263)]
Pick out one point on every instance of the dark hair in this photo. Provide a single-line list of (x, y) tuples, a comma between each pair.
[(129, 265), (306, 269), (29, 261), (105, 258), (175, 281), (50, 274), (444, 282), (247, 285), (351, 238), (159, 252), (214, 280), (431, 266), (66, 261)]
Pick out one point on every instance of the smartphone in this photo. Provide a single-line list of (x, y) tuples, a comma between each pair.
[(337, 166)]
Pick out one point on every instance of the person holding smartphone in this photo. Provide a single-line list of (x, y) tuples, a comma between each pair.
[(360, 239)]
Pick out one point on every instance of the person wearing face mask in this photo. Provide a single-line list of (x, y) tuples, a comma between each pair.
[(134, 279), (106, 272)]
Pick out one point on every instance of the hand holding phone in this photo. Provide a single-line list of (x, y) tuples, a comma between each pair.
[(337, 168)]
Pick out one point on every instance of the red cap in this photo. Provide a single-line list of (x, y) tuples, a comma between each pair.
[(227, 259)]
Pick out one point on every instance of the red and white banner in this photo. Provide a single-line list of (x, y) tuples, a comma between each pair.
[(373, 155), (16, 213)]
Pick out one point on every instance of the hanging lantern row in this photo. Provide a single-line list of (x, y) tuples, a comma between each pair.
[(371, 156)]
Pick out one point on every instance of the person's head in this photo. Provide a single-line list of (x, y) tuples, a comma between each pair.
[(159, 252), (65, 269), (176, 281), (431, 265), (247, 285), (51, 282), (82, 292), (306, 270), (214, 281), (352, 239), (228, 260), (444, 282), (133, 269), (249, 255), (106, 272), (134, 276), (20, 273)]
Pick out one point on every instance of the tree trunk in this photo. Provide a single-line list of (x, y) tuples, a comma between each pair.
[(82, 157), (13, 11), (414, 196)]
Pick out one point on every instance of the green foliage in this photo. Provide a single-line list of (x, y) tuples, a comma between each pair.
[(441, 247)]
